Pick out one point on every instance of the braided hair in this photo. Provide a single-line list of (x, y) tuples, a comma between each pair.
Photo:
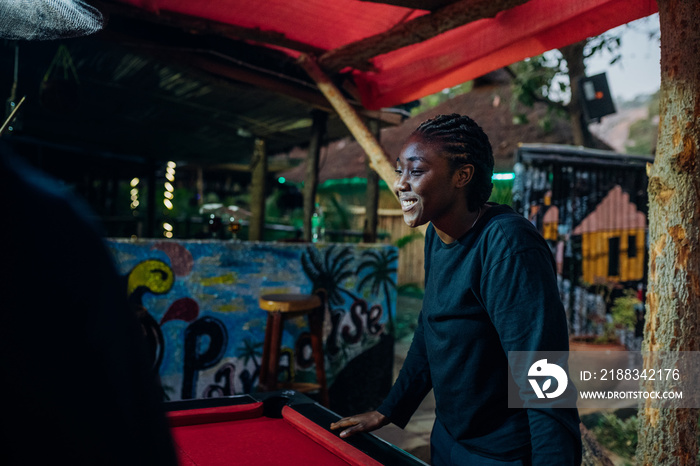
[(463, 142)]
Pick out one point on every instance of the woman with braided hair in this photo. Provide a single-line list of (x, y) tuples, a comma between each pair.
[(490, 288)]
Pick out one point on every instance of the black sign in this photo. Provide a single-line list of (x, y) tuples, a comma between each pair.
[(595, 97)]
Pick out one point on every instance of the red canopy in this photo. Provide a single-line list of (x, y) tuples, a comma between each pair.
[(427, 67)]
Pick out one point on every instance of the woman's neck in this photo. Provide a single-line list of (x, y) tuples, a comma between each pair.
[(453, 229)]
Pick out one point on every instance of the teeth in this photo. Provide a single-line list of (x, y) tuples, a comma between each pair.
[(408, 203)]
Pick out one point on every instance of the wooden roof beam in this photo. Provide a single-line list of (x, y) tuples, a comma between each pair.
[(287, 86), (290, 90), (379, 161), (357, 54)]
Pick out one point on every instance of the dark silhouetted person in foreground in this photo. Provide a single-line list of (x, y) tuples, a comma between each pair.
[(490, 288), (75, 385)]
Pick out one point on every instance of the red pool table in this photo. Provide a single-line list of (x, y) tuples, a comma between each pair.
[(276, 428)]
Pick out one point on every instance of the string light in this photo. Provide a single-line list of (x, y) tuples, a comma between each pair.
[(169, 188), (134, 193), (169, 196)]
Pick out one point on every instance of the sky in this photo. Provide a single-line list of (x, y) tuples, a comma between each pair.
[(638, 71)]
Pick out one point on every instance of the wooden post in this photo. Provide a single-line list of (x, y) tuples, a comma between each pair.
[(369, 233), (356, 54), (200, 186), (311, 180), (151, 200), (258, 168), (378, 158)]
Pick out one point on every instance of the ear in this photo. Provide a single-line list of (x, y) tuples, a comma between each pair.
[(464, 175)]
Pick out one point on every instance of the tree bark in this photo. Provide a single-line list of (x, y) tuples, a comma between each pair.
[(669, 436), (573, 54)]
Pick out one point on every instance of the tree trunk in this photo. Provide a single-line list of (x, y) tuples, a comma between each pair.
[(573, 54), (669, 436)]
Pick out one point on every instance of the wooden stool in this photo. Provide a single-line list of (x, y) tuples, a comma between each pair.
[(281, 307)]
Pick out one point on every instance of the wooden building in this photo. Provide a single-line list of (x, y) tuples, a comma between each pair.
[(613, 240)]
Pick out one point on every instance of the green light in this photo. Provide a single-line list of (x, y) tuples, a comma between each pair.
[(281, 179), (503, 176)]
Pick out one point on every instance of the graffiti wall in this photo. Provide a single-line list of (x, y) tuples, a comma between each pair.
[(590, 206), (197, 302)]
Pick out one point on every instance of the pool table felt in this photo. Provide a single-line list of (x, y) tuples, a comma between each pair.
[(241, 435)]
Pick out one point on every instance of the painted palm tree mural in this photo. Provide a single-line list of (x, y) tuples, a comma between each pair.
[(327, 271), (248, 351), (382, 267)]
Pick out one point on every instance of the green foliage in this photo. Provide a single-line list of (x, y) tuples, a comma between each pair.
[(604, 287), (617, 435), (606, 42), (502, 192), (534, 81), (618, 432), (545, 78), (623, 310), (539, 79), (412, 290), (273, 211), (337, 214), (407, 239)]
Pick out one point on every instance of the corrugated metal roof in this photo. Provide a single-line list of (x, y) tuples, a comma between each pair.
[(154, 92)]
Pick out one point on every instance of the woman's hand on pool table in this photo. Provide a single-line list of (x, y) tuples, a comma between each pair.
[(365, 422)]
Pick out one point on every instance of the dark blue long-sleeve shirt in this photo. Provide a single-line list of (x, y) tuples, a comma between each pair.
[(492, 291)]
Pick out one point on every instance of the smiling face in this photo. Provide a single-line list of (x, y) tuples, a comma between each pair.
[(428, 189)]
